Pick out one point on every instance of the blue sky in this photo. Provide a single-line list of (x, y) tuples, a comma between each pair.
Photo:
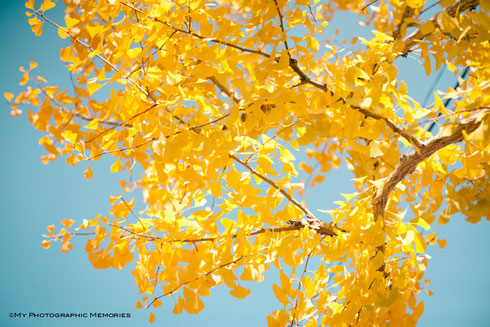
[(34, 196)]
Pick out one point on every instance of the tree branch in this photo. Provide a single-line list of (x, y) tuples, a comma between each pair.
[(213, 40), (394, 127), (281, 23), (410, 41), (107, 62), (369, 4), (458, 7), (223, 89), (408, 163), (311, 221), (293, 321), (178, 287), (122, 123), (257, 232), (293, 63), (64, 110), (409, 11)]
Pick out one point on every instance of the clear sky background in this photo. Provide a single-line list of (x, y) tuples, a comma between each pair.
[(34, 196)]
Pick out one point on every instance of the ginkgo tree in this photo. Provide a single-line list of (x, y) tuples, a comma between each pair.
[(211, 100)]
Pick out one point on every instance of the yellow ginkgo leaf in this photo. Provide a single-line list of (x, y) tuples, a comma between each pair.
[(240, 292), (375, 150), (92, 86)]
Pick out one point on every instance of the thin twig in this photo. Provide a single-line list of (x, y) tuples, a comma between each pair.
[(257, 232), (213, 40), (407, 13), (64, 110), (134, 215), (308, 213), (394, 127), (121, 149), (107, 62), (369, 4), (281, 24), (311, 222), (433, 86), (293, 63), (178, 287), (428, 8), (293, 321), (223, 89), (122, 123)]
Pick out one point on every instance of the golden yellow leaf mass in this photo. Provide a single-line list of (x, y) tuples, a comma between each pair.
[(212, 101)]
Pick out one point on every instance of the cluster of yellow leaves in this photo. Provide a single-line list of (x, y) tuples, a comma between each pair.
[(210, 99), (63, 235)]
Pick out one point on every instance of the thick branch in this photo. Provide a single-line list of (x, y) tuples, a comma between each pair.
[(293, 63), (410, 41), (408, 163), (409, 11), (458, 7)]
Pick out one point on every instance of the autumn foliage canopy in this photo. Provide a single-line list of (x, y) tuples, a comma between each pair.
[(203, 105)]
